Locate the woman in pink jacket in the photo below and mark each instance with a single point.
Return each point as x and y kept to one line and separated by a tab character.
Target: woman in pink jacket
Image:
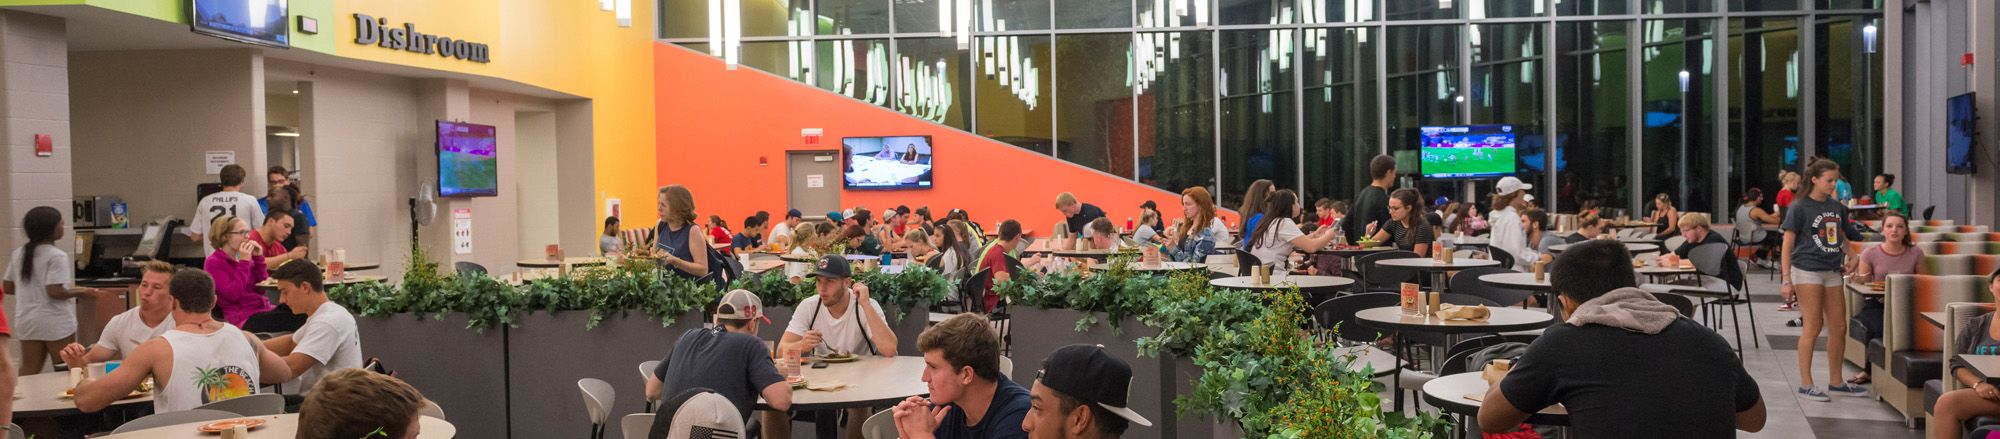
237	266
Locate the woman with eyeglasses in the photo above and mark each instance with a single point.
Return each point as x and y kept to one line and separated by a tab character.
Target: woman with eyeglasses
1407	227
237	266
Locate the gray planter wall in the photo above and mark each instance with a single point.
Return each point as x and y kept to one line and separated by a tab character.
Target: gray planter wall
1039	332
548	353
464	371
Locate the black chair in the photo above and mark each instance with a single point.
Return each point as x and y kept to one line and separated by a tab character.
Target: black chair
1457	359
1338	313
1928	211
467	268
1467	282
1505	259
1679	302
1385	278
1244	261
972	292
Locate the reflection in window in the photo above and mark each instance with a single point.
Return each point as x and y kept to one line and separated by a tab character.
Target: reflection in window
930	80
1423	10
1763	101
1679	139
1676	6
1096	126
1006	15
1099	14
1507	90
1591	7
1593	144
1012	89
1763	5
858	16
922	15
1478	9
1259	138
1341	113
1176	138
1423	88
854	68
1850	97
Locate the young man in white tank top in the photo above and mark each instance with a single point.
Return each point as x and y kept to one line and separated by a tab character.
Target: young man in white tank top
199	361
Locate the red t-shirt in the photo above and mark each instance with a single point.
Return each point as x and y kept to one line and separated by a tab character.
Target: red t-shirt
1326	221
271	248
994	261
721	239
1784	198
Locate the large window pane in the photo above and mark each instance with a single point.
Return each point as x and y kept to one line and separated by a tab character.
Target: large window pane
1849	91
1100	14
855	68
1176	139
1341	113
1096	102
930	80
1259	131
1423	88
1850	4
1593	144
770	56
853	16
1257	11
1421	10
1763	101
922	15
1763	5
1507	90
1008	15
1676	6
1478	9
1014	101
1592	7
1678	157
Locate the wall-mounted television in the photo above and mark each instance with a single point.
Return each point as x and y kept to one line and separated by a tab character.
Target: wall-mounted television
266	22
1961	134
468	160
901	162
1466	151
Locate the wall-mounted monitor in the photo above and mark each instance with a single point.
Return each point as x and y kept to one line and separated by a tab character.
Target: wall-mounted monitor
1961	134
1466	151
265	22
902	162
468	160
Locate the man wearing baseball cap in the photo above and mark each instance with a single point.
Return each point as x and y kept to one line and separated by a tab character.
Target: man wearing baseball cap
840	319
728	358
1081	392
1510	196
781	234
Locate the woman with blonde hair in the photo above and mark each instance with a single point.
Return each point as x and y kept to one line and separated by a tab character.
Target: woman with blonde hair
237	266
679	243
1665	216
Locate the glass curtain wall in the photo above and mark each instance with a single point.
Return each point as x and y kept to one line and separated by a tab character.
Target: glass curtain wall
1618	105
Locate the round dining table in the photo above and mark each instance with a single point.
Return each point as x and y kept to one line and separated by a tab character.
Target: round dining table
574	261
41	395
1503	319
1439	269
1154	267
872	381
275	426
1463	393
1304	283
269	285
1518	281
1632	247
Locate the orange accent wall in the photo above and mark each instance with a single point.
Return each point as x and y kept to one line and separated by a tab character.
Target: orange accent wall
715	123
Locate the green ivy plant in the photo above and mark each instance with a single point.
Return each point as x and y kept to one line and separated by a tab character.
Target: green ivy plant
775	289
1117	293
915	286
1187	312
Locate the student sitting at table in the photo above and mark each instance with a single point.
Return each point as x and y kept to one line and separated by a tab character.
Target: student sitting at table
1624	362
840	319
781	233
1146	234
727	358
237	266
810	244
751	237
1186	240
1075	213
1588	226
1664	216
955	259
1278	235
277	225
993	259
182	361
860	242
1978	397
1897	254
1101	236
129	329
1081	391
1535	224
609	244
719	236
1407	228
970	397
356	403
327	342
1697	231
918	246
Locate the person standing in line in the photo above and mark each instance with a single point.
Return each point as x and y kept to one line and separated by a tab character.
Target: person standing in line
231	201
43	279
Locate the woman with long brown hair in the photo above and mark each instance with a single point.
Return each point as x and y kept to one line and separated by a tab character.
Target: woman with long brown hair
1815	253
1195	235
1252	210
1407	228
681	246
1279	235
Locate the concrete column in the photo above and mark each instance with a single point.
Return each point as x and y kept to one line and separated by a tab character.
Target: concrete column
34	66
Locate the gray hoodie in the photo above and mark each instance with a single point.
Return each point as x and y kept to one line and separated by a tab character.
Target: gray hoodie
1631	309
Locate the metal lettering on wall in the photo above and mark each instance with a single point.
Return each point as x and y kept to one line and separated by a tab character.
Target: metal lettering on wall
376	31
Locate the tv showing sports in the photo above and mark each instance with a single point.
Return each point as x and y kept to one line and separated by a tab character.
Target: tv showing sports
1961	134
887	162
265	22
1469	151
468	160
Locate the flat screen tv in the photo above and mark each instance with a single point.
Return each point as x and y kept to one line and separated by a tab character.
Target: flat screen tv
1961	134
468	162
1466	151
265	22
902	162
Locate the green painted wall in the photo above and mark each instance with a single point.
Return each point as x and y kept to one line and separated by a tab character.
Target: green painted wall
176	11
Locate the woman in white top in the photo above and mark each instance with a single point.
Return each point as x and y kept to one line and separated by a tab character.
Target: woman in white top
44	279
806	238
1278	234
1505	221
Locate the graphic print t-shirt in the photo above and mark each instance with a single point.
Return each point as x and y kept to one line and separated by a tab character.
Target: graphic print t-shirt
1820	245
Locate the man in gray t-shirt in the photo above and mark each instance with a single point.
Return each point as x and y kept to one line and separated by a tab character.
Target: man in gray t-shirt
728	359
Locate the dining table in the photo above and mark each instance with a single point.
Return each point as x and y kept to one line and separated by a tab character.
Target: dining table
869	381
275	426
1461	394
44	395
573	261
1440	270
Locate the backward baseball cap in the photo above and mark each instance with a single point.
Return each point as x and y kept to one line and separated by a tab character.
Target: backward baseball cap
741	304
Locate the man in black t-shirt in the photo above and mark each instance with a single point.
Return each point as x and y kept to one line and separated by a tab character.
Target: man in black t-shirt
962	368
1624	364
1077	214
1371	206
728	359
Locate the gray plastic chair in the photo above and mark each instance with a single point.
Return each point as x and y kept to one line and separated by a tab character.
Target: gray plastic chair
15	432
1007	367
1382	277
171	419
636	425
1467	282
882	425
432	409
467	268
263	404
598	397
646	369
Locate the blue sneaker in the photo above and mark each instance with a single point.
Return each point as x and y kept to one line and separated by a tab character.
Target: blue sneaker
1813	394
1848	390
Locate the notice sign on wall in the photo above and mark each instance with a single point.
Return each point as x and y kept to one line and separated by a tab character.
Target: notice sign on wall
216	160
816	180
461	231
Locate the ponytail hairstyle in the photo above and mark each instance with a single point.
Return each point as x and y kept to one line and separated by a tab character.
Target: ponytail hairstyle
1280	206
1753	195
1814	170
1416	218
42	224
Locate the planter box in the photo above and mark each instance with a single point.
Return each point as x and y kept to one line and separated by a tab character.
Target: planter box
781	316
1039	332
549	352
913	323
463	370
1179	373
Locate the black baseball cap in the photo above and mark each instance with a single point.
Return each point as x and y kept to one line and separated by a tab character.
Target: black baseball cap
1088	373
834	266
1149	205
794	213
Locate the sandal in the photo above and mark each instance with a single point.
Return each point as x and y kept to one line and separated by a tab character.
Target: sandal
1859	379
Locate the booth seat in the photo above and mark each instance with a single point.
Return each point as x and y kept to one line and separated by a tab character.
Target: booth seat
1970	237
1981	265
1914	349
1960	247
1961	314
1950	229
